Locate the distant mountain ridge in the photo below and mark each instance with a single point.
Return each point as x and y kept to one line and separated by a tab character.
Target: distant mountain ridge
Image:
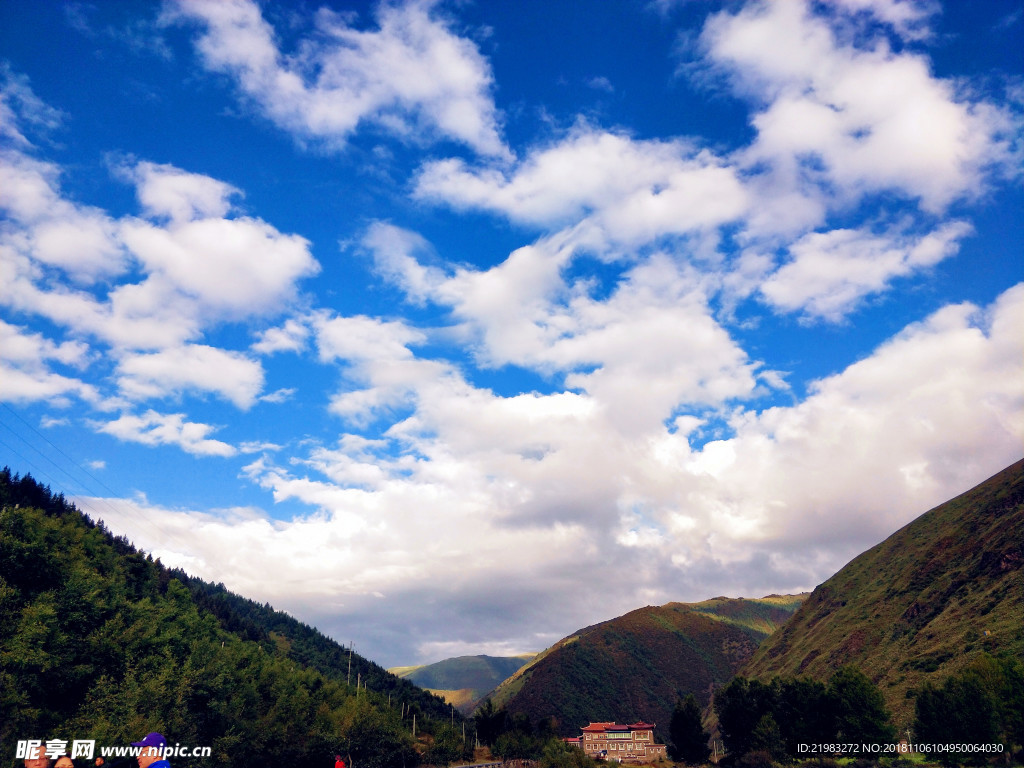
636	666
919	605
463	680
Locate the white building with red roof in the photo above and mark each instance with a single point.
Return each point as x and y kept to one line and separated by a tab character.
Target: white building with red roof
622	743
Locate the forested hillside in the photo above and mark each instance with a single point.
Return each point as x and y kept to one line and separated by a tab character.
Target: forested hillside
98	641
306	645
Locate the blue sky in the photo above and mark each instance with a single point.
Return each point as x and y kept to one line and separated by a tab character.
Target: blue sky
453	327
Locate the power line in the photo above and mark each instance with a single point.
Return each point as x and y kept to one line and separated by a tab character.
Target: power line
88	497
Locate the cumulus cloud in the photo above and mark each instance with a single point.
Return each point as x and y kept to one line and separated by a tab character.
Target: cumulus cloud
853	119
634	191
650	346
166	191
25	374
198	268
191	368
152	428
533	491
925	416
50	230
291	337
412	75
831	271
231	268
378	362
398	256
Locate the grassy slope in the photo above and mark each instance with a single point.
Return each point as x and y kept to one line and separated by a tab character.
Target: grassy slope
919	605
638	665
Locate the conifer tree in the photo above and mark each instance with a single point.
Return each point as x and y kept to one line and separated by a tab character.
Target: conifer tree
689	739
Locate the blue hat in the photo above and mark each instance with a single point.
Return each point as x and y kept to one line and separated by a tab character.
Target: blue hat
153	739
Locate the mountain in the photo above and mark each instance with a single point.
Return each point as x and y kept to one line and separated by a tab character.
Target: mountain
920	605
99	641
464	680
637	666
306	645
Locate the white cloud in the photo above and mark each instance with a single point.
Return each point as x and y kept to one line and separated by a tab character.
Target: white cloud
79	240
364	338
20	109
412	76
377	356
398	256
928	414
909	18
279	395
867	118
191	368
291	337
25	375
152	428
533	491
634	191
831	271
232	269
197	268
166	191
649	347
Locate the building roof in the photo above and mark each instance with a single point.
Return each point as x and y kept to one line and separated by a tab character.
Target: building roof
602	727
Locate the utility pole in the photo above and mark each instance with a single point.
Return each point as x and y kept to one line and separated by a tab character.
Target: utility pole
414	726
348	680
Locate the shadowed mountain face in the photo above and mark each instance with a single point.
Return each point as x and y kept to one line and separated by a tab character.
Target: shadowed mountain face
463	680
635	667
920	605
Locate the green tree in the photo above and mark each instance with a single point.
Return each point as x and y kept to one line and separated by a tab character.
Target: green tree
446	747
375	740
687	734
859	709
740	705
984	704
767	737
804	713
490	722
